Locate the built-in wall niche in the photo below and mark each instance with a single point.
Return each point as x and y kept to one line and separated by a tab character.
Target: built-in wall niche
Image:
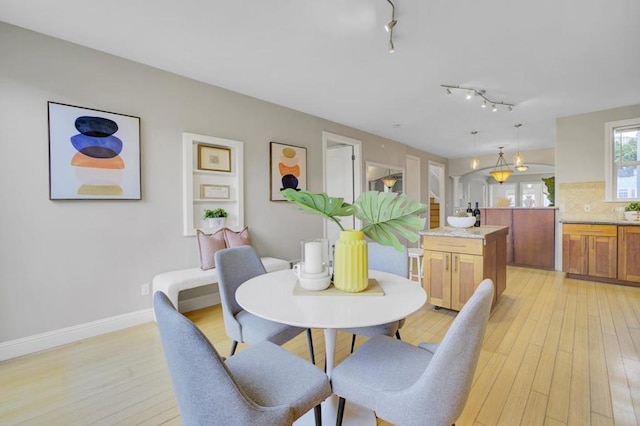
377	172
212	179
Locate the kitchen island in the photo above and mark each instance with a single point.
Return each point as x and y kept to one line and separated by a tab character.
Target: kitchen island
456	260
531	239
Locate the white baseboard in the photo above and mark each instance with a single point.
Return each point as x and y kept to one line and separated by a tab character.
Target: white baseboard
51	339
198	302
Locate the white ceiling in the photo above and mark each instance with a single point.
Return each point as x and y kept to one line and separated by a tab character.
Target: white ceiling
329	58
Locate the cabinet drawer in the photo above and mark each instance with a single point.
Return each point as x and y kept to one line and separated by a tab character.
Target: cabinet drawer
454	245
596	230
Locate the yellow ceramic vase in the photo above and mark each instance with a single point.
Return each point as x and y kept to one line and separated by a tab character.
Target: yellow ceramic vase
351	266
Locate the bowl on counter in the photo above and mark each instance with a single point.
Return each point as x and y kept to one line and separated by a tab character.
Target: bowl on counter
461	222
632	216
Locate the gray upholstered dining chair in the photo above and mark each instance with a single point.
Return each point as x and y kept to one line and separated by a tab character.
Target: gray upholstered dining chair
425	385
385	259
263	384
234	266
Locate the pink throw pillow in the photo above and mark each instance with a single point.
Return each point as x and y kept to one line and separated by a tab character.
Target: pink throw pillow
235	239
208	245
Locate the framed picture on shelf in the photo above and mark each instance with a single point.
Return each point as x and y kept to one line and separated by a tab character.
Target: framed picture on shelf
93	154
214	158
215	192
288	169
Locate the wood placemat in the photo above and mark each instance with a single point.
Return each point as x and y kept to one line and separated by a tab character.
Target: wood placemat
373	289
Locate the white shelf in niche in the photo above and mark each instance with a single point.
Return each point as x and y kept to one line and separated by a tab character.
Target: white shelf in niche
193	205
201	200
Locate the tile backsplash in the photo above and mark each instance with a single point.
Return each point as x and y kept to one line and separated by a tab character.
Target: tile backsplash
574	199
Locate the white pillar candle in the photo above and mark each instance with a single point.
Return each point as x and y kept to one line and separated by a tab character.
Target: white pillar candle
313	257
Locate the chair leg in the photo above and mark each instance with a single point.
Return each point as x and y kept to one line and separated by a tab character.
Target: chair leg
317	412
353	342
234	345
310	342
398	335
340	412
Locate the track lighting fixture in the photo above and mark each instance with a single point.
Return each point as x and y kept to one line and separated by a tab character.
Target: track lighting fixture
389	26
471	92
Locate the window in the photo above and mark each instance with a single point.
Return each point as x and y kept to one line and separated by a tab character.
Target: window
622	158
502	195
523	194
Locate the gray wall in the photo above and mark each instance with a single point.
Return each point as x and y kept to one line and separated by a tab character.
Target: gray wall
64	263
580	145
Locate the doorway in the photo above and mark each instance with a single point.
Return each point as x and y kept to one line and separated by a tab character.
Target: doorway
342	177
436	194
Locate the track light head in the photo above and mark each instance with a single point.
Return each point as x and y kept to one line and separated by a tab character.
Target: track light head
494	108
484	104
469	94
448	91
390	25
392	48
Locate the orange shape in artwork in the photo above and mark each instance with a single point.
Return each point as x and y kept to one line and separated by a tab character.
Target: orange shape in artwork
284	170
81	160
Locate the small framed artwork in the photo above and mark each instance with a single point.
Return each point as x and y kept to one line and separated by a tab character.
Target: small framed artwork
288	169
93	154
214	158
215	192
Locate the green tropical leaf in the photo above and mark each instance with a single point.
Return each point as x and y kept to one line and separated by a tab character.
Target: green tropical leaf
390	214
329	207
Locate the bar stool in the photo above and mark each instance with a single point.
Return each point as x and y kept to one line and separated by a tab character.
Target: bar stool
416	255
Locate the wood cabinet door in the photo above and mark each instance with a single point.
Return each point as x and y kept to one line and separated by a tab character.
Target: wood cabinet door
437	277
574	254
629	253
466	274
603	256
501	217
534	237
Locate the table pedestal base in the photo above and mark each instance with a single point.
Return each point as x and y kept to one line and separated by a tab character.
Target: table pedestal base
354	415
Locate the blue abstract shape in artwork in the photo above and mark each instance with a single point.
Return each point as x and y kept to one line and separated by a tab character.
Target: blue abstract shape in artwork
90	146
289	181
96	126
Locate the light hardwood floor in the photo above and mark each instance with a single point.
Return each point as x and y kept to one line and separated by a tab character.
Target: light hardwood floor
557	351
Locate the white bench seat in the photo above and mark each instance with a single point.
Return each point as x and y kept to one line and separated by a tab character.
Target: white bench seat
172	283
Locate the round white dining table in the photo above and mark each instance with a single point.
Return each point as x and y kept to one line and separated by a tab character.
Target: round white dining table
271	296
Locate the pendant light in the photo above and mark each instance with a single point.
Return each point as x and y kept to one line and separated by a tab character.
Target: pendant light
518	159
502	171
475	163
389	180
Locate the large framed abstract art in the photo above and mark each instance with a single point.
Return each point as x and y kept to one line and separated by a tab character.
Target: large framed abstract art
288	169
93	154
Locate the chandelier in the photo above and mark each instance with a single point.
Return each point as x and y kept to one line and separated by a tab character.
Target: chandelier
389	180
501	171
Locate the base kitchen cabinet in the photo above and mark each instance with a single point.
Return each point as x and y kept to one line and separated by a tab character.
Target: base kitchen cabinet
456	260
590	250
629	253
